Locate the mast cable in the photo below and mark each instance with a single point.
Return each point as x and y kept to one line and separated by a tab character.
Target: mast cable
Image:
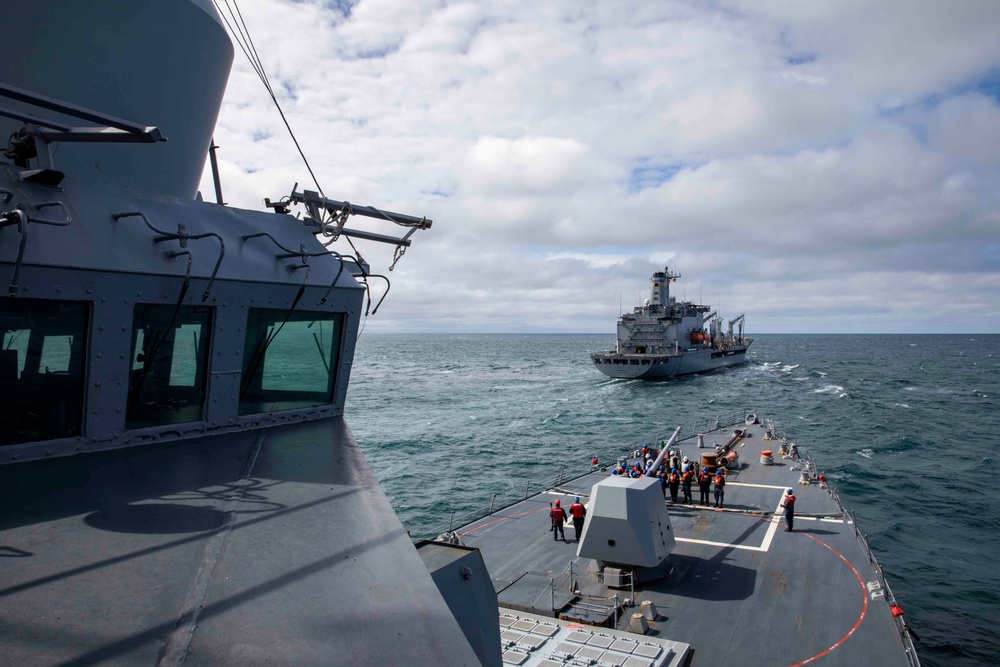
241	33
242	36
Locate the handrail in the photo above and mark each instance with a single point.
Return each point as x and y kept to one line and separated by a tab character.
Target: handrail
901	628
570	472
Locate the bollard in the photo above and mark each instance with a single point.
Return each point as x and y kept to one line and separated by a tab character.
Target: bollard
638	624
648	610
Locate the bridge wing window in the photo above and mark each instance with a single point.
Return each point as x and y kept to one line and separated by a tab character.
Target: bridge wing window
169	365
290	360
42	360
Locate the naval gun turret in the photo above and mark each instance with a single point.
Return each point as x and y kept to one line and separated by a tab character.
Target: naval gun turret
628	530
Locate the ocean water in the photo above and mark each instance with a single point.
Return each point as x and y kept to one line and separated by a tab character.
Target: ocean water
907	427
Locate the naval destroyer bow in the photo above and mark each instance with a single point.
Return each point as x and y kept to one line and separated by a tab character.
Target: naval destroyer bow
664	337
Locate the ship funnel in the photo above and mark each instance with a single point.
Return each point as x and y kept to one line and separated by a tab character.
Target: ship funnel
659	289
162	63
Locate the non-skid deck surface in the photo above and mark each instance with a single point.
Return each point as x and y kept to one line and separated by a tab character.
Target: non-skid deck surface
743	591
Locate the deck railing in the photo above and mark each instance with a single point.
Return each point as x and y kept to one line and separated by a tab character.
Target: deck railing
606	456
611	456
897	621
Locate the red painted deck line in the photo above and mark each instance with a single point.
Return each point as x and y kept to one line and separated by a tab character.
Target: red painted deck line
864	609
502	518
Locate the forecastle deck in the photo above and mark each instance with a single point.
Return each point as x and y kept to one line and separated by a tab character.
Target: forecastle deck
742	591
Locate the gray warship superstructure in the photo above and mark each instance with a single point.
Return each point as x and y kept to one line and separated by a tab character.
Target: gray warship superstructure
178	482
664	338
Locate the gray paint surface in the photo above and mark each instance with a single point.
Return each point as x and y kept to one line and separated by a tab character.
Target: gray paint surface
742	591
274	547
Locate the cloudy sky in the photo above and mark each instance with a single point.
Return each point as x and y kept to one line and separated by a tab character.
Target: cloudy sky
822	167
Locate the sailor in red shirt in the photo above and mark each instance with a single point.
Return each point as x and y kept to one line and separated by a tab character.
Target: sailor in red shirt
578	512
558	516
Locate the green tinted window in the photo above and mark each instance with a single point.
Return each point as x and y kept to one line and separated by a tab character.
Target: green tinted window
42	361
169	365
290	360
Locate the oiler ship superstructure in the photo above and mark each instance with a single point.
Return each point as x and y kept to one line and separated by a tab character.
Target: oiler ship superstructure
664	337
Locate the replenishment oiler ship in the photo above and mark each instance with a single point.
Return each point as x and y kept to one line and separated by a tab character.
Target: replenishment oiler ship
664	338
179	484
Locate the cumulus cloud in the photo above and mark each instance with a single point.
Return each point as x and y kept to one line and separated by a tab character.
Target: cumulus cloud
822	167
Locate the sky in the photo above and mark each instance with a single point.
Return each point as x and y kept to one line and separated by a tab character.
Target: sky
820	167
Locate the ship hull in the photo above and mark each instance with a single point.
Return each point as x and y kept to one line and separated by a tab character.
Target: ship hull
661	367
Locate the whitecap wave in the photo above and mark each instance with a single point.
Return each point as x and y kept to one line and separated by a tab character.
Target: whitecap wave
866	452
831	389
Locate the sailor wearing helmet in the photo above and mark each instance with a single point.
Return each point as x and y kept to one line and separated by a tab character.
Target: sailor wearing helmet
789	504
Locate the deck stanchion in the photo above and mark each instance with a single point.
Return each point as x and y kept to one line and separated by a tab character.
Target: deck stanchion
492	500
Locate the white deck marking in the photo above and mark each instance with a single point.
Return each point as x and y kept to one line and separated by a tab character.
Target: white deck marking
816	518
772	528
757	486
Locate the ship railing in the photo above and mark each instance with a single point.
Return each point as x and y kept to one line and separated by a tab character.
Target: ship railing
882	584
601	606
607	458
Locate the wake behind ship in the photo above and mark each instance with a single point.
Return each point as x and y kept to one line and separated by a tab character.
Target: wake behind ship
664	338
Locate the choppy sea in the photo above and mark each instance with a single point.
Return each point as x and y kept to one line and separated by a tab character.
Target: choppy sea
907	427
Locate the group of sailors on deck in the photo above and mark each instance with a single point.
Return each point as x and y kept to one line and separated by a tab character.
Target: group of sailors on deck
680	477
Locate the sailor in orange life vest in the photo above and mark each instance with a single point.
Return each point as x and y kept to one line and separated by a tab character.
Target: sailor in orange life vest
577	511
720	488
558	516
704	484
789	504
686	478
673	482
